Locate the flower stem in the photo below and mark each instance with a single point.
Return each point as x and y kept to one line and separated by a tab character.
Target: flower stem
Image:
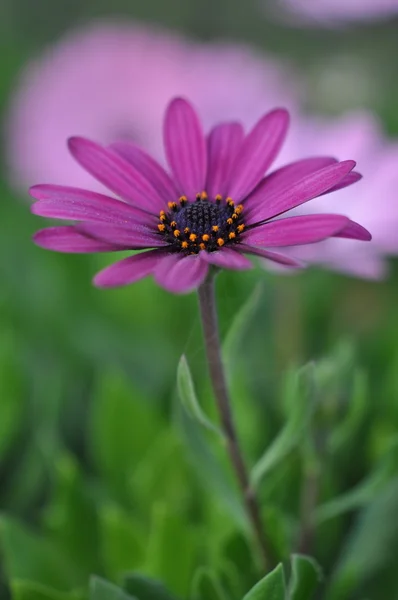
209	318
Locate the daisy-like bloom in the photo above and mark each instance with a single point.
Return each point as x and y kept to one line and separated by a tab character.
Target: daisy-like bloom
111	80
358	134
216	207
336	12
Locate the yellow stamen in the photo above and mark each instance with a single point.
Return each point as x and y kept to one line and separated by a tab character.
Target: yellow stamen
177	233
202	246
172	205
193	237
220	242
229	221
234	216
184	245
240	228
173	224
232	235
163	217
239	209
187	230
183	200
218	198
230	202
205	237
161	227
215	228
203	195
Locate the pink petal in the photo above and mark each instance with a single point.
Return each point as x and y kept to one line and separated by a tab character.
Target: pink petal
281	259
348	180
227	258
185	147
258	151
181	274
149	168
67	239
61	202
286	176
223	144
129	270
115	173
297	193
355	231
131	237
292	231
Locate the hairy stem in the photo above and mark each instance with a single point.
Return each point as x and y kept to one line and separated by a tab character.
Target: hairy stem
213	350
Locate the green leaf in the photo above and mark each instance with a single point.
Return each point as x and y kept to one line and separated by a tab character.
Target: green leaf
306	574
188	397
164	473
233	342
34	558
366	491
30	590
371	548
210	469
300	397
145	588
171	549
206	586
122	541
72	518
344	431
11	391
271	587
104	590
123	427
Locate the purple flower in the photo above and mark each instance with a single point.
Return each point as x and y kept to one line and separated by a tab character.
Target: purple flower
336	12
216	207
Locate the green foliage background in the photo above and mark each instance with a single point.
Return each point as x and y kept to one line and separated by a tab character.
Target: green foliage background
102	472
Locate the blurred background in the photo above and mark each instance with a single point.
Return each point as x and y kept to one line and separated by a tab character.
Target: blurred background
100	472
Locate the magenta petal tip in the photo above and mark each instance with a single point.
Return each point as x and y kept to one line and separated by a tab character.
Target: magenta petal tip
354	231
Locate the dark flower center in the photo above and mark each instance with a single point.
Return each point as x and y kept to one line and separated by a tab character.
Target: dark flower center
201	225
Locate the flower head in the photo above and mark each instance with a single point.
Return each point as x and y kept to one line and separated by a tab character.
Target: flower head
216	207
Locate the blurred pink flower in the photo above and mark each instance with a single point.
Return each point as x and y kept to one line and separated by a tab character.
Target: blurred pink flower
373	201
113	81
337	12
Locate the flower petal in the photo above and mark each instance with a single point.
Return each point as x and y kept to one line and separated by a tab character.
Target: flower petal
115	173
281	259
258	151
304	189
355	231
131	237
227	258
292	231
348	180
286	176
181	274
223	144
129	270
185	147
67	239
61	202
150	169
